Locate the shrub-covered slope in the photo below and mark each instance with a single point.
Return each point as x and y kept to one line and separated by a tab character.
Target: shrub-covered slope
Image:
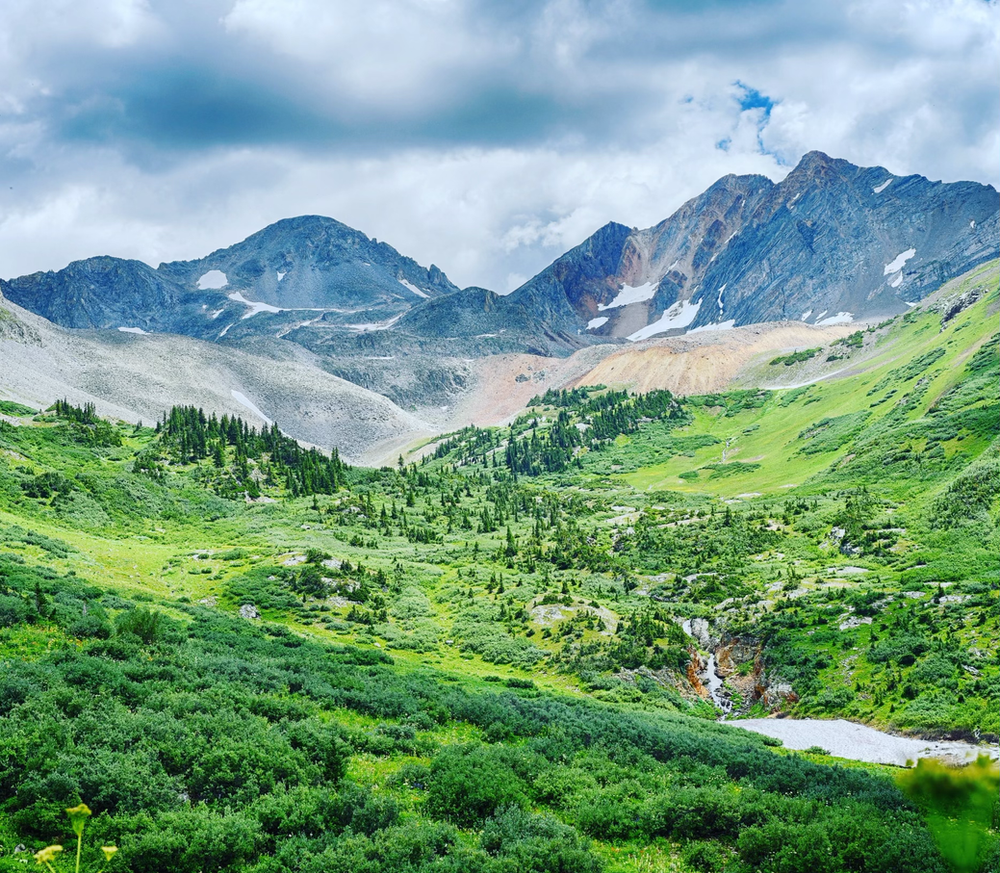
246	656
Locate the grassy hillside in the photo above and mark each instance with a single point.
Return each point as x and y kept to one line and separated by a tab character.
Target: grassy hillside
246	657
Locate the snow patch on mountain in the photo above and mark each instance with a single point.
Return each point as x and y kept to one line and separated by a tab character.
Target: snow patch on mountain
681	314
880	188
132	330
595	323
281	275
896	264
255	307
839	318
414	289
895	283
375	325
213	280
629	294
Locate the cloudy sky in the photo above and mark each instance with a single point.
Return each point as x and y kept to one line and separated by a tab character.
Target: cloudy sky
486	136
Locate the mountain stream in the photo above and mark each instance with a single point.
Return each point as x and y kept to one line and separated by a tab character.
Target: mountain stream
838	737
711	679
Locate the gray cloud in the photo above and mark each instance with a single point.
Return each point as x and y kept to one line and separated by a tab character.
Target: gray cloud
486	137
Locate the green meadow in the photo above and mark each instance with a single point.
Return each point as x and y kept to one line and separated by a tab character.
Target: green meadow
244	656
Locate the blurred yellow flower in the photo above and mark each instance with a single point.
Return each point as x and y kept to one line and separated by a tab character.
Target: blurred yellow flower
78	816
48	854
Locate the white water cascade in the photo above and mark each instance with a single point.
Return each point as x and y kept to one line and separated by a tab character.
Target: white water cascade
711	679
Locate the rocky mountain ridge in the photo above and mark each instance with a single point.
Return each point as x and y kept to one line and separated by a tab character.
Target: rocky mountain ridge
832	243
298	270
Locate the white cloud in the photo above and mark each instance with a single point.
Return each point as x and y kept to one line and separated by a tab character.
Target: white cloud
33	25
406	54
495	136
897	90
514	281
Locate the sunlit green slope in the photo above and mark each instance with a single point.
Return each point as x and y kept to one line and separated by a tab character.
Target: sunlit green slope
905	386
246	657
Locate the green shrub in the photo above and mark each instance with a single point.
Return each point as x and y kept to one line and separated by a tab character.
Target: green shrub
795	357
535	843
903	648
148	625
468	784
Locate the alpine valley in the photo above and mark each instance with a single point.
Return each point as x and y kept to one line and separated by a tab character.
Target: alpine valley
672	559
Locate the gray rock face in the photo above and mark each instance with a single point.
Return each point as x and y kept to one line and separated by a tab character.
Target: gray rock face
311	262
831	240
477	321
667	260
576	283
102	292
300	269
834	238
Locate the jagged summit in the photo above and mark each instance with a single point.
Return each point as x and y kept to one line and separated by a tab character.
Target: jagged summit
303	268
832	242
816	161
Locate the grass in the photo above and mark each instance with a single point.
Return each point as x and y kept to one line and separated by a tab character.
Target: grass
801	523
768	435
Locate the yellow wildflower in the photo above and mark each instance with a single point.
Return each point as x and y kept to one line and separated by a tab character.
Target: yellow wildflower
48	854
78	816
109	852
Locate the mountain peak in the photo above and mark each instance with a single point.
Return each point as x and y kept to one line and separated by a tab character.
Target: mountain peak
739	181
612	229
816	158
816	163
302	230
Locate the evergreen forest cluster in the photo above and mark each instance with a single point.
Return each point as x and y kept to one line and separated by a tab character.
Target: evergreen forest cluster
244	655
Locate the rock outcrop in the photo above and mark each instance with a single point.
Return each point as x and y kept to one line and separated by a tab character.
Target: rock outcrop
831	242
